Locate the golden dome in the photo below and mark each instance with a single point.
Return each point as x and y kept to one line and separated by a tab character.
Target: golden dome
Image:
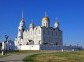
45	19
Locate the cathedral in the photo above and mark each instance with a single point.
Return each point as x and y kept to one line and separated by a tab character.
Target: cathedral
37	36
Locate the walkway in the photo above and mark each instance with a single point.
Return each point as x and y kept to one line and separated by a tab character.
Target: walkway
15	58
19	57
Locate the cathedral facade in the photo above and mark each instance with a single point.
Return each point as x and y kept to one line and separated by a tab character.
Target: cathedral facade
39	35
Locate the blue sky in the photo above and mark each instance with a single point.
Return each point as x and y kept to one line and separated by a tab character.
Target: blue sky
70	14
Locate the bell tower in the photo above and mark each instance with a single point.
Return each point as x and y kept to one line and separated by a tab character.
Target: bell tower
21	28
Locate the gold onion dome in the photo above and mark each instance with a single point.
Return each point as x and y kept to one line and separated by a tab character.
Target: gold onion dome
45	18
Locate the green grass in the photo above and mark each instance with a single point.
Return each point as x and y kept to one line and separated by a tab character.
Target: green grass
3	55
23	52
56	57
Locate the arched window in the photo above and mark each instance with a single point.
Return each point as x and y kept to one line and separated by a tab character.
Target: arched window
52	33
46	24
27	43
48	32
56	43
44	31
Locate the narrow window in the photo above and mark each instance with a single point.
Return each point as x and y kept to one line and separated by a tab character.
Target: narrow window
52	33
44	31
39	31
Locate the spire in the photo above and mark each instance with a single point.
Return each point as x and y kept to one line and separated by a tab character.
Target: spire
45	14
22	13
56	19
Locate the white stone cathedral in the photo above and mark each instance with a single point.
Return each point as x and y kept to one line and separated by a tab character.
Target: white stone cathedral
36	36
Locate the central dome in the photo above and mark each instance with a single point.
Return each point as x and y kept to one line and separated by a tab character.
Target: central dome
45	18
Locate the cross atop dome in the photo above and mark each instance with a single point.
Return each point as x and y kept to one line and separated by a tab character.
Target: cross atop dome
22	13
56	18
56	25
46	14
22	17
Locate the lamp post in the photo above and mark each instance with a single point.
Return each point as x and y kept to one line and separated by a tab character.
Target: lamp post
39	46
10	46
6	38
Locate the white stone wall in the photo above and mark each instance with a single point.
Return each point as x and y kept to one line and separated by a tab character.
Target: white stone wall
30	47
32	34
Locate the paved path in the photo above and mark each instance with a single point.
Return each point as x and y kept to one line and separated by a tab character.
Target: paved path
19	57
15	58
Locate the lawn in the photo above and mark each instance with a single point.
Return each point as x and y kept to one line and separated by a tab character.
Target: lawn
56	57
